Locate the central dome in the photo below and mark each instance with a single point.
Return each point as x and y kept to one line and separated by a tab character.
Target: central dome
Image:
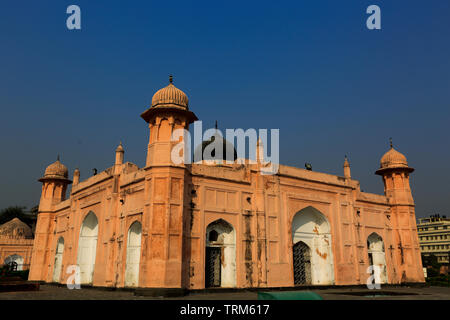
226	146
170	96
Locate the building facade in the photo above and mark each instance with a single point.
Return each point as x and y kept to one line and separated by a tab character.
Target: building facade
434	237
222	225
16	244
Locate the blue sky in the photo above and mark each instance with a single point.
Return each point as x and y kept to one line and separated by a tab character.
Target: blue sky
310	68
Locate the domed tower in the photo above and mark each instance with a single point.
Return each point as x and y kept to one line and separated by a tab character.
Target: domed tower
169	111
395	172
167	206
54	185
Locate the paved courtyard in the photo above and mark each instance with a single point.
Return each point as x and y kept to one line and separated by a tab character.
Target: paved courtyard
388	293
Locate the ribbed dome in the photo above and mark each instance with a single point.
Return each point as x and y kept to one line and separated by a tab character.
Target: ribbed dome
393	159
16	229
170	96
56	171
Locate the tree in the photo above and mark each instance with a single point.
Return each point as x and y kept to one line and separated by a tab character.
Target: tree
431	263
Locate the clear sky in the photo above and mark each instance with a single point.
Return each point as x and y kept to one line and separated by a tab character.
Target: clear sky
310	68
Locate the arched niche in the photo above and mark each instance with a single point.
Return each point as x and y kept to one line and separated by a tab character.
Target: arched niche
165	130
220	255
58	260
87	248
312	228
133	255
377	257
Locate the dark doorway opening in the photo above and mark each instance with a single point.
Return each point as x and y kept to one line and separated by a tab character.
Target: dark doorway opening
213	267
302	263
370	259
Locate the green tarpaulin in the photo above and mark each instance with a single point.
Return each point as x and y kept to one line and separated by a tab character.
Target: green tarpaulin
289	295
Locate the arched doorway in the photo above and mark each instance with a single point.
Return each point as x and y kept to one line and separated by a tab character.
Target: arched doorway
220	259
58	260
312	255
15	262
377	258
302	263
133	255
87	247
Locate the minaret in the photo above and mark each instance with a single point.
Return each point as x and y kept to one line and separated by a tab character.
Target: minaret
166	211
54	186
395	172
119	154
347	173
169	111
119	159
259	151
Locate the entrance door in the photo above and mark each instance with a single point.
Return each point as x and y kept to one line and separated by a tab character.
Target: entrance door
370	259
133	255
58	260
377	259
213	267
87	258
87	248
302	263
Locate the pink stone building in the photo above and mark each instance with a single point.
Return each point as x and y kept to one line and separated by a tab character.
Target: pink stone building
204	225
16	243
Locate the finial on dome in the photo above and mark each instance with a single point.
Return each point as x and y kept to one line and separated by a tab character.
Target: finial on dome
119	147
170	79
346	163
390	141
76	176
216	124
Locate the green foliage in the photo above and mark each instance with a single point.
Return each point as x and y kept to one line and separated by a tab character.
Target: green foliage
432	272
22	274
430	261
11	213
439	280
4	272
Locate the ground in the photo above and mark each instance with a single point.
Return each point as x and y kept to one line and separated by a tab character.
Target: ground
390	293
